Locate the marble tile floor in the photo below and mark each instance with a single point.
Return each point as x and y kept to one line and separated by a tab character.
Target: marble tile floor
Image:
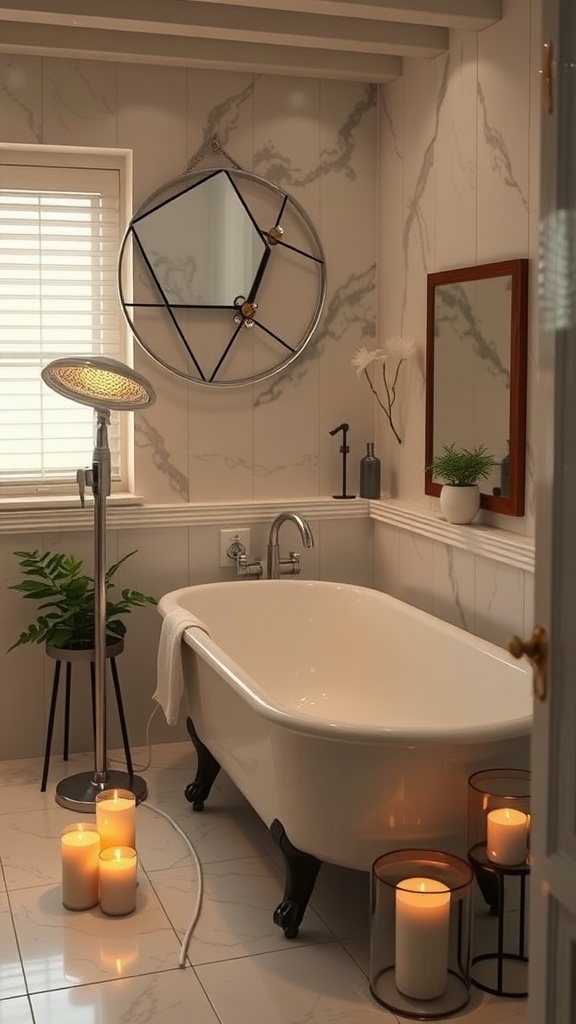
85	968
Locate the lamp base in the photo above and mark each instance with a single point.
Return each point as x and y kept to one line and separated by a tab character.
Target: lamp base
79	792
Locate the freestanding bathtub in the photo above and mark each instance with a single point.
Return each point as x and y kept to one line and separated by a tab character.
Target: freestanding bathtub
349	720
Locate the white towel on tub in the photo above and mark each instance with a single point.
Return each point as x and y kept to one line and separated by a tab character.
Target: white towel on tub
169	673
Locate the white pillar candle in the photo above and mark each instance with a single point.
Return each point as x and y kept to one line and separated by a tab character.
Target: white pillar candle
116	818
422	932
79	848
506	836
118	869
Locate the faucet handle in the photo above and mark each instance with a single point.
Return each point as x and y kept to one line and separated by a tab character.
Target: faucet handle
290	566
244	568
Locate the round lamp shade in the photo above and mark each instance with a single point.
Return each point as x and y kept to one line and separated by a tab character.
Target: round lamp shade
99	382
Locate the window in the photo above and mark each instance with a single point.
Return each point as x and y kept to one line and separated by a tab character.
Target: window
62	214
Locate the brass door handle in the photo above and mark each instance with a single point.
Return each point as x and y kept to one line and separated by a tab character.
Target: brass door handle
536	650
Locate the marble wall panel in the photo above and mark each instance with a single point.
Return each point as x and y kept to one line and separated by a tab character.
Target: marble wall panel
222	103
346	551
500	597
417	571
160	564
221	444
504	53
454	583
386	573
152	108
455	155
348	160
79	103
21	98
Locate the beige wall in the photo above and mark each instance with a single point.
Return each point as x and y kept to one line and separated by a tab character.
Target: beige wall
438	169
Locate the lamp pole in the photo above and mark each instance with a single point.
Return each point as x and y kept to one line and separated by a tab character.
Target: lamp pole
103	384
101	486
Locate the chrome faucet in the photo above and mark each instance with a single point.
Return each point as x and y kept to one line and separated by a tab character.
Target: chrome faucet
276	566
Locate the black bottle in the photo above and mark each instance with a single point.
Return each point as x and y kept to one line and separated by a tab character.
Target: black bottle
370	474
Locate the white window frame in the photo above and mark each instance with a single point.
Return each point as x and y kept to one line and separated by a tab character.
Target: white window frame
46	494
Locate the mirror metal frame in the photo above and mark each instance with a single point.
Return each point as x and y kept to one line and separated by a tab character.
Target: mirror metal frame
517	270
182	183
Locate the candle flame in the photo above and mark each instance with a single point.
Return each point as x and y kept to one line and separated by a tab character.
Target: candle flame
115	795
117	854
507	814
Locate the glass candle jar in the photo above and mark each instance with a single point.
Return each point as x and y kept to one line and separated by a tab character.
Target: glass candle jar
420	933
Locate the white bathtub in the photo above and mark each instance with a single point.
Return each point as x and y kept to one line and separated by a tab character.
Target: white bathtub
350	717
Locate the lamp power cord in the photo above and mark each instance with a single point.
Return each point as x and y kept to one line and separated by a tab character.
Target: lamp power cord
176	827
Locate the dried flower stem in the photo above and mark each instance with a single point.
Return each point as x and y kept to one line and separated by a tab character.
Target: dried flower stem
390	396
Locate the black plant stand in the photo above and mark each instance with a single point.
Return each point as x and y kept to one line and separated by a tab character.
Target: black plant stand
492	878
70	658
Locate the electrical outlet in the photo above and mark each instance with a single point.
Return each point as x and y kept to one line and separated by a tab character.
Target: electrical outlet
229	537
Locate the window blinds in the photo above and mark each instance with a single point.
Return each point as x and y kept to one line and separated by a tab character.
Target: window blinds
59	241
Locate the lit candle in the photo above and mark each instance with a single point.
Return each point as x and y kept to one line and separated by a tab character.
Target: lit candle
506	836
79	847
422	931
116	818
118	868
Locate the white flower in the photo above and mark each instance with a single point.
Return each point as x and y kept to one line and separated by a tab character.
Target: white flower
399	347
364	358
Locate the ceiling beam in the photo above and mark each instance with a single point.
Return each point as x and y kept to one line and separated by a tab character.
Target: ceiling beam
362	40
239	24
99	44
463	14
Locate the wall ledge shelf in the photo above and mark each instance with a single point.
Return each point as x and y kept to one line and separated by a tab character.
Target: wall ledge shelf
486	541
126	517
491	542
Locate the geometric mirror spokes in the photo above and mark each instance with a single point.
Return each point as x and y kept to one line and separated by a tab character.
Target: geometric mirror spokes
227	277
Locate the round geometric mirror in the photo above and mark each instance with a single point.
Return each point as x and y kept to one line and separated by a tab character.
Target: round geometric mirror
222	277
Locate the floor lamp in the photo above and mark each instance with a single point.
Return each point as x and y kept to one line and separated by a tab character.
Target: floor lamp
106	385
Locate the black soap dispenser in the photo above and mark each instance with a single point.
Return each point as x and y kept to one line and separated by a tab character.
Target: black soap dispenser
370	473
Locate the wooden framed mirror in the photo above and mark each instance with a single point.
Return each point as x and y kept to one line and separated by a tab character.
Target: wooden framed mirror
476	358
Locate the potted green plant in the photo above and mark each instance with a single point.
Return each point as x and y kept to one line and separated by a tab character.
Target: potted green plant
460	470
66	593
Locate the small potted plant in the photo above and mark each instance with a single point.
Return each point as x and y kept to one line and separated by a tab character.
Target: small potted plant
460	470
66	593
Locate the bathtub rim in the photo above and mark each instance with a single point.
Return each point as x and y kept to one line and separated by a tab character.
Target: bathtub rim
203	645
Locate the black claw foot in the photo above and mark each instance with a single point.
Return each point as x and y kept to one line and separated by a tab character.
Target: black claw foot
198	791
288	916
301	873
195	796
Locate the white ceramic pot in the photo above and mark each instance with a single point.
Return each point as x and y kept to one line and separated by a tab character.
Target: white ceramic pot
460	504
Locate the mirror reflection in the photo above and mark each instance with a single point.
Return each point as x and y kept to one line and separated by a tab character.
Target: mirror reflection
202	246
476	373
472	367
